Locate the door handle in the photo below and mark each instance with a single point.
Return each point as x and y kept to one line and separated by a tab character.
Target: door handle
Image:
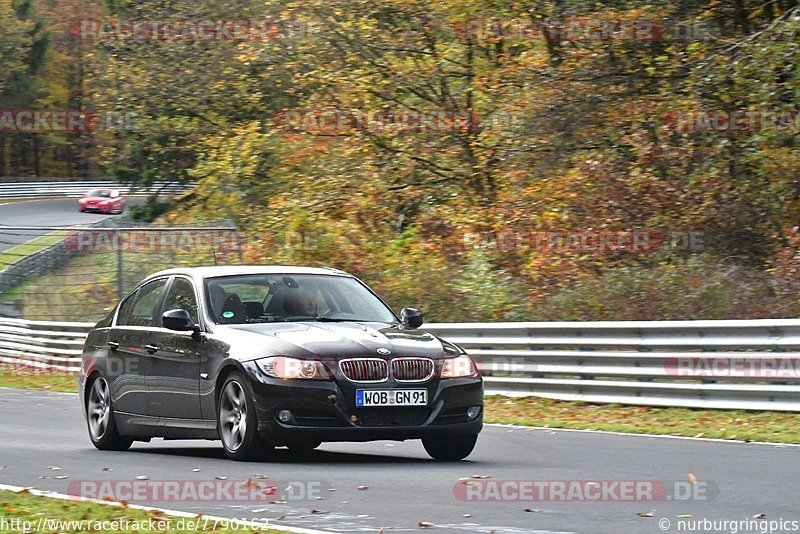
151	349
113	345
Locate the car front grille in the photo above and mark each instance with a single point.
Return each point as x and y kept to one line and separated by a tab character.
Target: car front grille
412	369
365	369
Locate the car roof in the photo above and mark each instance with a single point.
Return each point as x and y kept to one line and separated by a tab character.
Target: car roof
233	270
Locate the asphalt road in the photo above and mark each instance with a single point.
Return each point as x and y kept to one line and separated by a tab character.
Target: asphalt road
50	212
401	486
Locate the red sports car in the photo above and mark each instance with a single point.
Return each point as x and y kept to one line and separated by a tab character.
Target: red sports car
102	201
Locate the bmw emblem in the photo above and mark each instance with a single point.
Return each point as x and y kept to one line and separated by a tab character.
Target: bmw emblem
384	352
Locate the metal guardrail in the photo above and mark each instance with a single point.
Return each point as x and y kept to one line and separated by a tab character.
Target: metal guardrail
48	258
41	346
10	190
743	364
749	364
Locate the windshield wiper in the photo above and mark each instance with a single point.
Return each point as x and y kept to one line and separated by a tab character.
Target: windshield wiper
323	319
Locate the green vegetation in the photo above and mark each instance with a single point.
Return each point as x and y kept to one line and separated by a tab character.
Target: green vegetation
481	160
29	512
780	427
31	379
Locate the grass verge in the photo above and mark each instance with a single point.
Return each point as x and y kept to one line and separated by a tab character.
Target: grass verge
13	255
24	512
780	427
25	378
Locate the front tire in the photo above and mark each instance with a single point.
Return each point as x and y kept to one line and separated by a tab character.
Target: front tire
100	418
237	423
450	449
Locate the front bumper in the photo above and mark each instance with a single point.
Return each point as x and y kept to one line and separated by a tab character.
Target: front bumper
98	209
325	410
82	391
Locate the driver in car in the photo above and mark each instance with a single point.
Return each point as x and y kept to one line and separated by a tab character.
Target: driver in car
299	302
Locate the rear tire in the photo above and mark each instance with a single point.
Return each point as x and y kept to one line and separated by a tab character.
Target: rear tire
237	423
450	449
100	418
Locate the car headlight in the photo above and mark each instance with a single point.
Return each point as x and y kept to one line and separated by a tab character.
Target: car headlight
292	368
459	367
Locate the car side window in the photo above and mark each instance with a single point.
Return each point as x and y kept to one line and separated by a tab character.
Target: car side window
181	296
145	306
124	314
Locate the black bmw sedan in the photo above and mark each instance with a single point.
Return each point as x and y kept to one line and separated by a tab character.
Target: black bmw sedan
262	357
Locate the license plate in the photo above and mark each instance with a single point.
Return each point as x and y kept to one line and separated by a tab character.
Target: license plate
391	397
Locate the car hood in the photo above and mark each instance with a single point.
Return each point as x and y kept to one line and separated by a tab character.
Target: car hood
331	340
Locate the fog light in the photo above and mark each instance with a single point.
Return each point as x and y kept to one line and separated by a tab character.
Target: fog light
473	412
284	416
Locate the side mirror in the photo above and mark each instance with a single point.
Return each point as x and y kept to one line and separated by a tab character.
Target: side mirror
411	317
179	320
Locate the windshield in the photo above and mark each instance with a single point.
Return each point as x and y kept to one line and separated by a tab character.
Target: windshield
105	193
297	297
